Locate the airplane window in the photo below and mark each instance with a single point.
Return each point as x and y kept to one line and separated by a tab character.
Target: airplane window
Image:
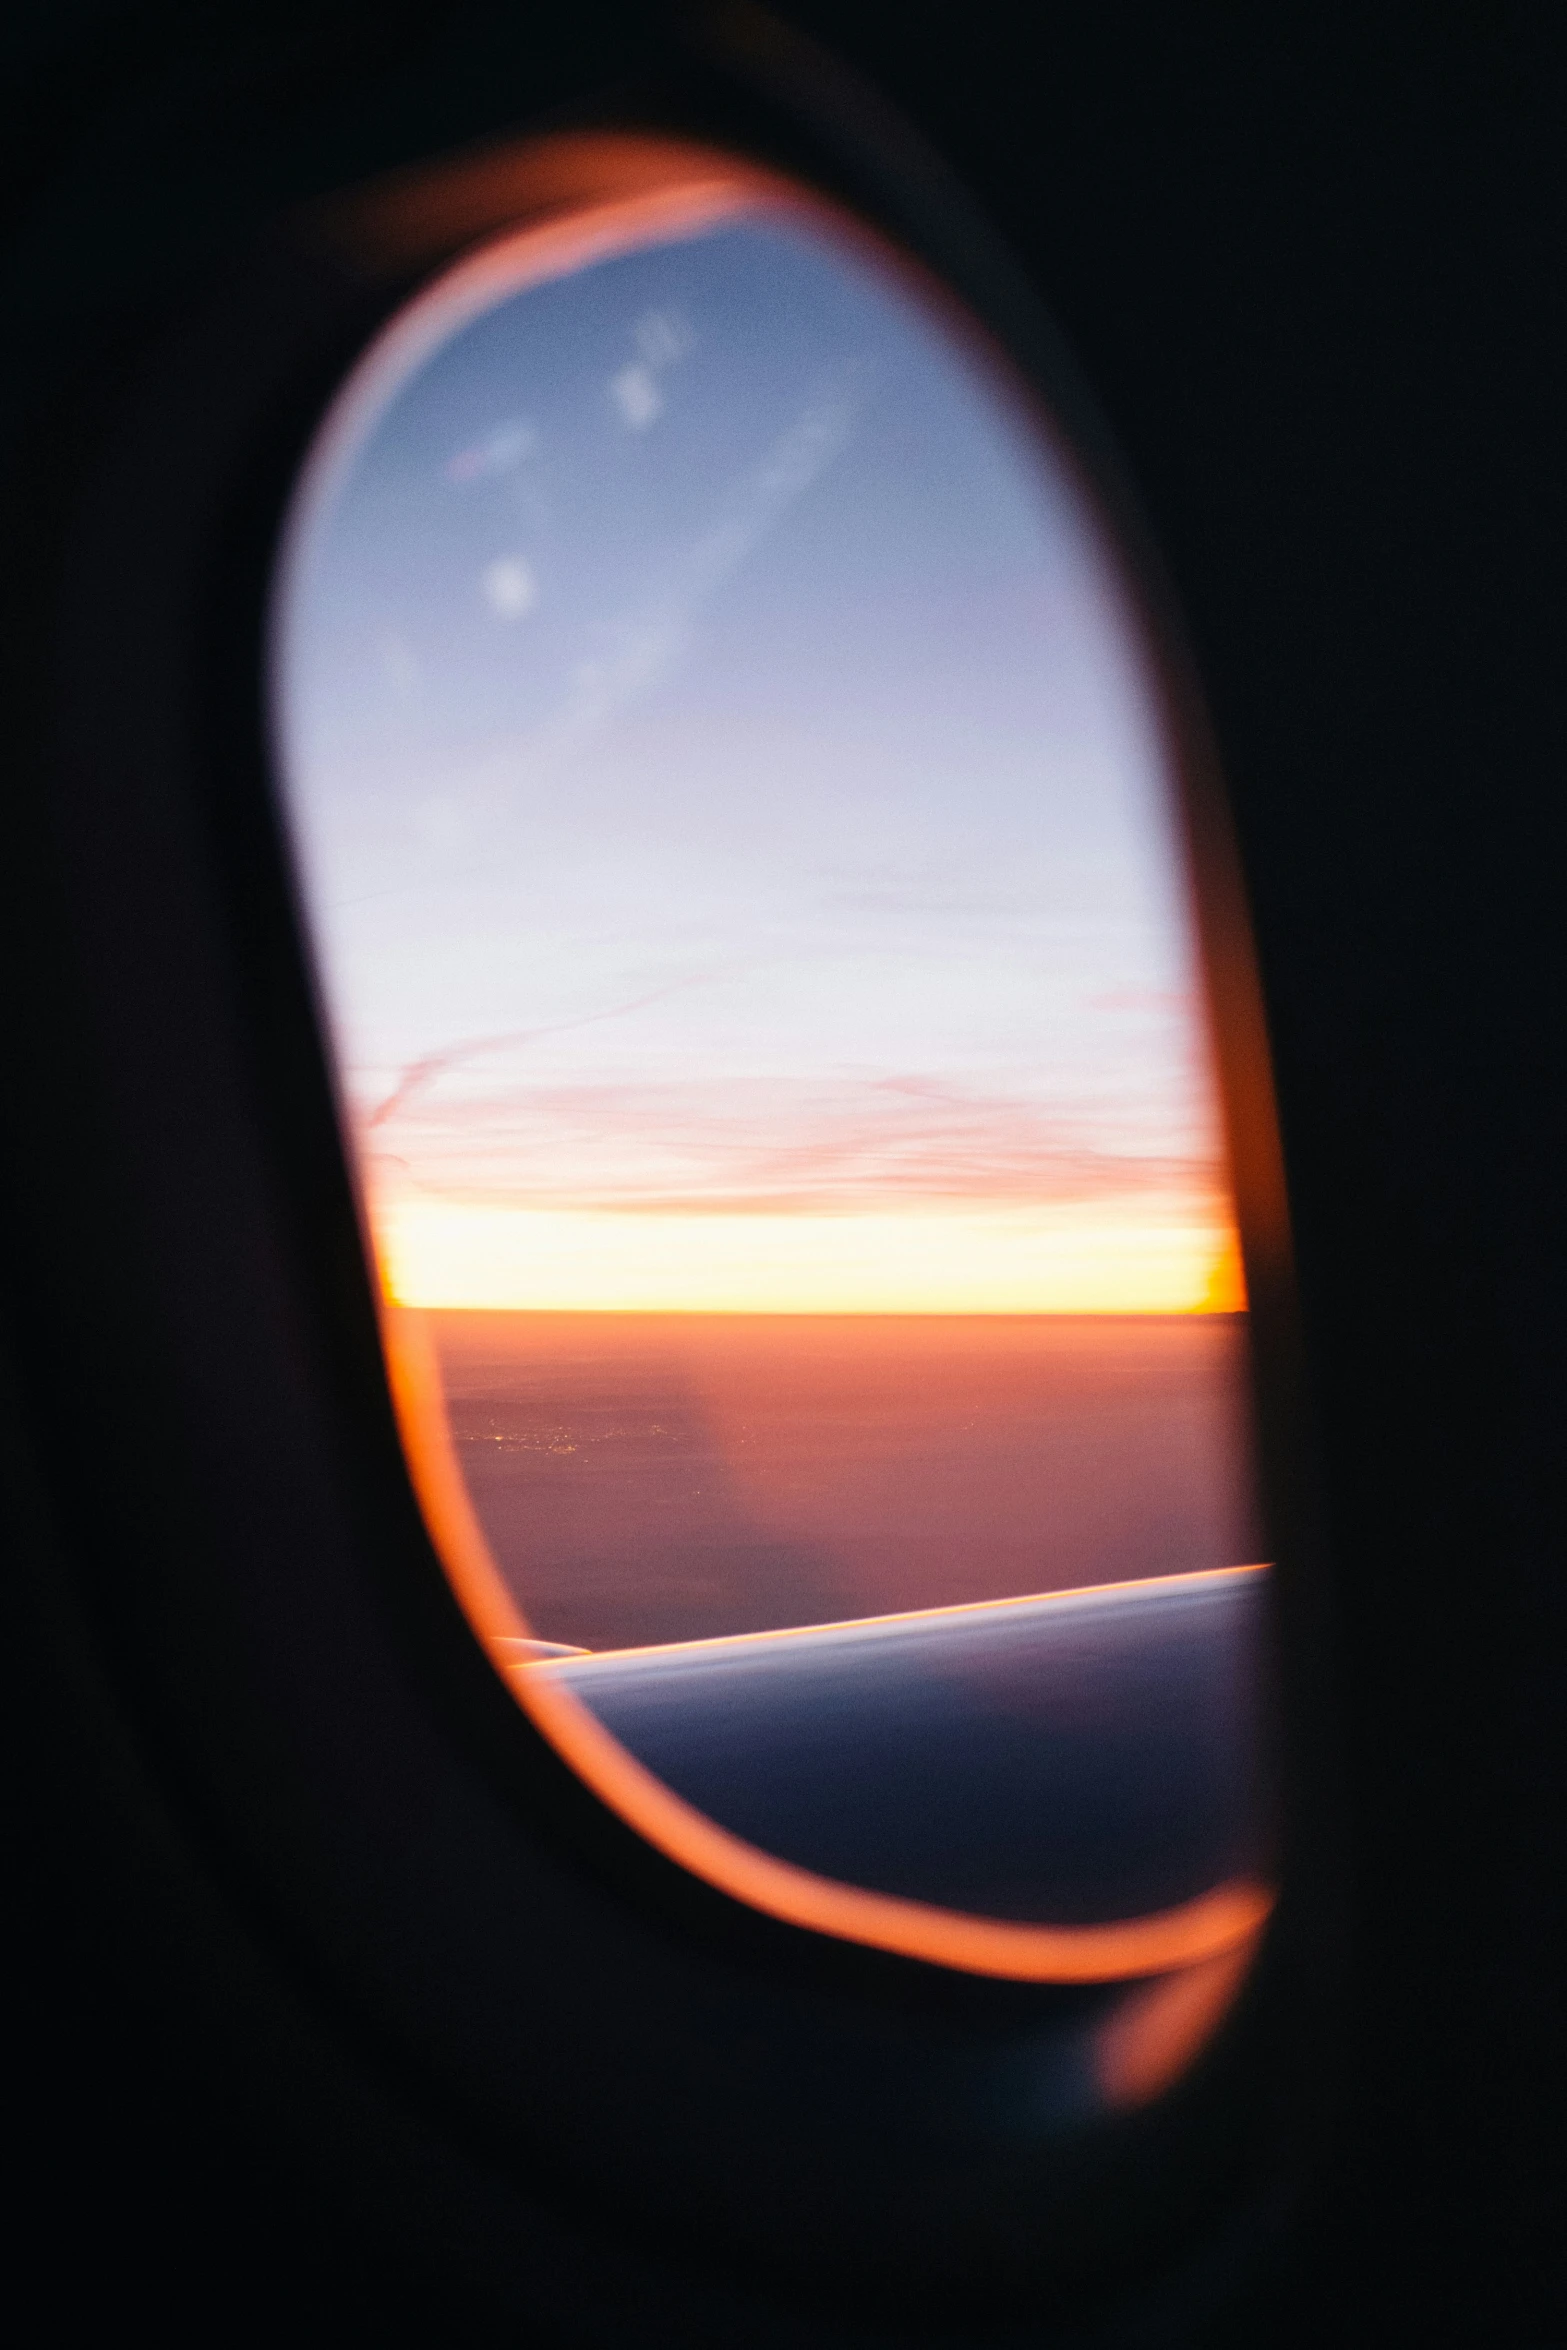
740	837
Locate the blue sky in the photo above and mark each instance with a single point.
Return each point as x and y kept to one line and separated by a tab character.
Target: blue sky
731	803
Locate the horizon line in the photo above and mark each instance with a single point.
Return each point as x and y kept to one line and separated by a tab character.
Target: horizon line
1196	1313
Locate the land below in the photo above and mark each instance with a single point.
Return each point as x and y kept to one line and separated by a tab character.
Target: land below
656	1477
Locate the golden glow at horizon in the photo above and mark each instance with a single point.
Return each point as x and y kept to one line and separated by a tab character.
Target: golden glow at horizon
1078	1258
678	848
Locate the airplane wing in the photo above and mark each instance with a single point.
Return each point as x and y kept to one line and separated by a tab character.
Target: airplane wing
1071	1758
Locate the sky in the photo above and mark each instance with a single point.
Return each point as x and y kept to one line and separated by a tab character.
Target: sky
731	809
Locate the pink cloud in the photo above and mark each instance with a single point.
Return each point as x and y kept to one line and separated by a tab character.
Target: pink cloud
785	1147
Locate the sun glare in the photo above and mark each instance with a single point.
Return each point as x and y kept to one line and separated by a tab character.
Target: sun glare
1080	1259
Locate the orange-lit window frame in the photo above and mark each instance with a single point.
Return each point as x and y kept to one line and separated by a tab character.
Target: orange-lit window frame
570	200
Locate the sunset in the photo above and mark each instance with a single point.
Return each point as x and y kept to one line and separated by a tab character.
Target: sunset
731	787
781	1363
1077	1260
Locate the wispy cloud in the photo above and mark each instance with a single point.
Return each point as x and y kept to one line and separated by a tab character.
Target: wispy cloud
779	1147
419	1075
643	644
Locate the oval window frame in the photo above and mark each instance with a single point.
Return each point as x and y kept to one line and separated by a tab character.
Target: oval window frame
525	216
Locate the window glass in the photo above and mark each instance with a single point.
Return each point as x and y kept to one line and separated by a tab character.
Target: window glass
740	841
